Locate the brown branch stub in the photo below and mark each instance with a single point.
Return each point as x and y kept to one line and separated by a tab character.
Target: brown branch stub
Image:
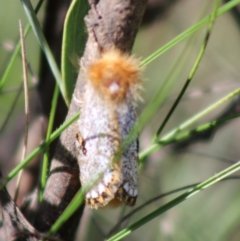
115	23
14	225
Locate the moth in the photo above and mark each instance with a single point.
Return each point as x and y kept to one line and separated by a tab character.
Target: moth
108	172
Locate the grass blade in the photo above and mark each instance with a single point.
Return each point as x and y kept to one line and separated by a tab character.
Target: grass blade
74	39
43	43
209	182
226	7
35	152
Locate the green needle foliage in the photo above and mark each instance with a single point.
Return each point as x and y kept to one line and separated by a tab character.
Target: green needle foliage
74	39
45	163
43	43
35	152
191	192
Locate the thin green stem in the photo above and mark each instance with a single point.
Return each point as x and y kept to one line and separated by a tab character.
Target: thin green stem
11	109
43	43
191	192
45	163
146	204
35	152
68	212
192	72
200	115
202	128
164	88
226	7
26	98
169	137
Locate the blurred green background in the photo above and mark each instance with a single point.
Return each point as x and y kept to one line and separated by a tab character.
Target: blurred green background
12	127
213	214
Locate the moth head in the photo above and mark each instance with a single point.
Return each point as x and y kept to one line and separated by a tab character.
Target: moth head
114	75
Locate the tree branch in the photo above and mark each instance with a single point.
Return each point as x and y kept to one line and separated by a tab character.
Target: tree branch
109	23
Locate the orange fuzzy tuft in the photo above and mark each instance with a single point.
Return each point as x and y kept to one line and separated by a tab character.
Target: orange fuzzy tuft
114	74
